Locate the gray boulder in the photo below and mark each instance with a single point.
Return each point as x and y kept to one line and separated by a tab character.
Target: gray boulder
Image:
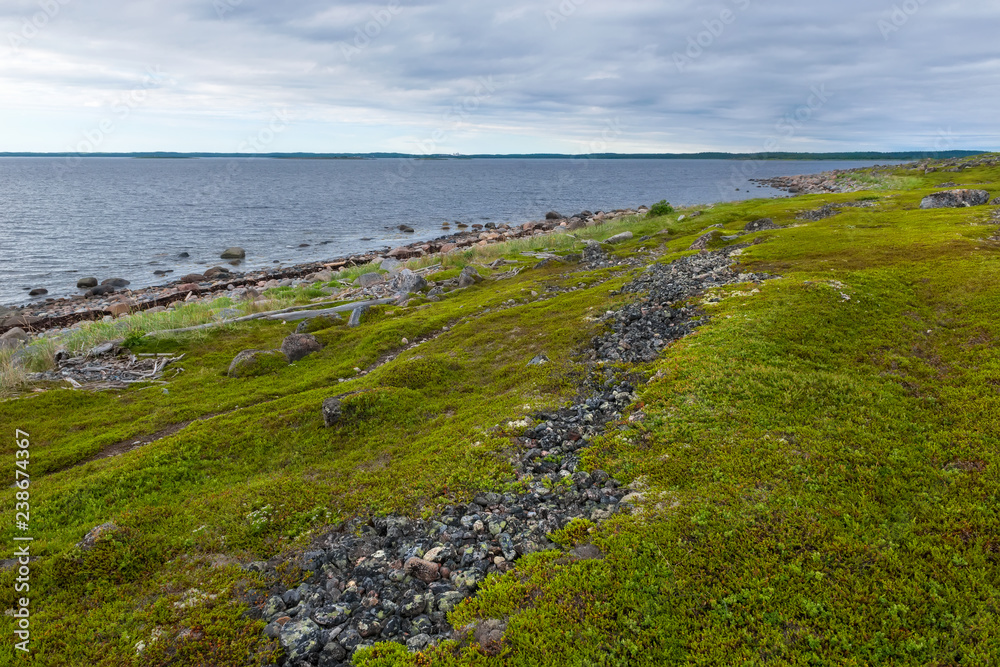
409	282
95	536
469	277
115	282
367	280
253	363
356	316
86	283
233	253
100	290
620	238
299	346
956	199
16	334
332	411
760	225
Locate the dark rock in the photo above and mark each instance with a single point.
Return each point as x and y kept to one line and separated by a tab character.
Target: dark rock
334	653
115	282
253	363
955	199
594	254
299	346
469	277
405	229
332	411
193	278
38	291
217	272
184	255
575	224
86	283
100	290
760	225
231	253
301	638
552	215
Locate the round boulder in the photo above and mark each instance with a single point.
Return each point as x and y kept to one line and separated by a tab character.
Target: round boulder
956	199
193	278
86	283
115	282
253	363
234	253
38	291
299	346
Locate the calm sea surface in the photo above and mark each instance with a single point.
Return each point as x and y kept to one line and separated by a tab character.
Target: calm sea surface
61	220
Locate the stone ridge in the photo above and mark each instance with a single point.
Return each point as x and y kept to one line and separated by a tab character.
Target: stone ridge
395	578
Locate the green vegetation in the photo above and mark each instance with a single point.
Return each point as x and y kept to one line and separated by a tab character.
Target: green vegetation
819	461
660	208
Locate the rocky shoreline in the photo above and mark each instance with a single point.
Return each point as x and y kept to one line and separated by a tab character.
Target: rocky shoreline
395	578
111	297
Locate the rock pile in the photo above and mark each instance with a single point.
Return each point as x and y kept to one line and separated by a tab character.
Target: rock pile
643	328
956	199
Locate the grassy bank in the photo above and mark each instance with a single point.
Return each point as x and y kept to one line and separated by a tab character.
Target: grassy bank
819	461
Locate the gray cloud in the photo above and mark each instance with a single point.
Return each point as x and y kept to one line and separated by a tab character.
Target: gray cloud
501	77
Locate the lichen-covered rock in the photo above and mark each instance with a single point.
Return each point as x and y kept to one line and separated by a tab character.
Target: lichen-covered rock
703	241
408	282
423	570
620	238
254	363
956	199
301	638
96	535
298	346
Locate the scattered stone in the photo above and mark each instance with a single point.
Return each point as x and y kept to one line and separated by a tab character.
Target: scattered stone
115	282
366	280
193	278
469	277
101	290
760	225
539	360
300	639
95	536
86	283
230	253
553	215
38	291
299	346
955	199
406	229
703	241
620	238
332	411
17	334
253	363
315	324
408	282
593	254
423	570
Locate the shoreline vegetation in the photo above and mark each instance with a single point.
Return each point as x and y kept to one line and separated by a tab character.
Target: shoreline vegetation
756	432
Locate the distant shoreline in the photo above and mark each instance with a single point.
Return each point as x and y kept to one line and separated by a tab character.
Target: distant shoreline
860	156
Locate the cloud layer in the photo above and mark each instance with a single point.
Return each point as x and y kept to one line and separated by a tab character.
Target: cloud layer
450	76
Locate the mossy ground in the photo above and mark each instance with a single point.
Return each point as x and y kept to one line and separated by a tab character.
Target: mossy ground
820	461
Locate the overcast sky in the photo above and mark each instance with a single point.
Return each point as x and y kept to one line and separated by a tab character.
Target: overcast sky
475	76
